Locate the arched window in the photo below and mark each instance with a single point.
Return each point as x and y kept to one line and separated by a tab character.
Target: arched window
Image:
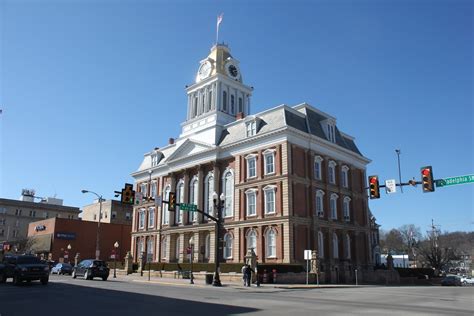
345	176
333	205
348	246
241	107
320	244
165	213
252	240
320	203
164	246
207	247
332	172
229	193
271	243
177	248
318	161
208	190
193	196
180	199
228	240
224	101
335	246
346	208
195	107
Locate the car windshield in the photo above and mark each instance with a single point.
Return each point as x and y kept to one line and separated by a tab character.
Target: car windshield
66	265
28	260
99	263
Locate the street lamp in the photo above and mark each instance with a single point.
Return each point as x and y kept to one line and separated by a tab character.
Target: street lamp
116	245
191	246
68	251
218	205
97	247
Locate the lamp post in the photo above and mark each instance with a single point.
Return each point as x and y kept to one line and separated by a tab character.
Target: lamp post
218	205
191	246
68	251
97	246
116	245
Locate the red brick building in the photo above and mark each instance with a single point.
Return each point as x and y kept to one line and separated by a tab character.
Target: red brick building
51	238
291	181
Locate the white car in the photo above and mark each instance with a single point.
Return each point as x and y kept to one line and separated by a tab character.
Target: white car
467	280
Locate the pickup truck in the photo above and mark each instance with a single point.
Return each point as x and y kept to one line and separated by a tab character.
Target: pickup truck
23	268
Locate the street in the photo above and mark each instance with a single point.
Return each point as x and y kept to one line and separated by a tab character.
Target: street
122	296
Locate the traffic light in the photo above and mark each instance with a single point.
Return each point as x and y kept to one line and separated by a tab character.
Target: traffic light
374	187
172	202
128	194
427	179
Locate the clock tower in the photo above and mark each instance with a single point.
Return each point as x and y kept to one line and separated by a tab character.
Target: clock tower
217	97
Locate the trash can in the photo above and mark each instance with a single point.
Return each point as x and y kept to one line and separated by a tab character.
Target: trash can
209	278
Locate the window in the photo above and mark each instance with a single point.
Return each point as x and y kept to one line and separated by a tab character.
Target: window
320	244
18	212
251	128
345	176
2	221
195	107
335	246
164	245
180	199
228	246
2	232
46	215
348	246
149	246
151	217
332	172
319	203
141	218
193	196
209	100
269	156
224	101
140	246
114	215
177	248
269	199
232	104
165	217
128	216
154	160
333	206
32	213
251	166
346	208
17	223
318	160
153	192
143	189
241	107
330	130
228	192
252	240
251	202
209	190
3	210
271	244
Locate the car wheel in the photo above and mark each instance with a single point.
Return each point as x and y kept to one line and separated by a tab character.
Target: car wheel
73	274
3	278
86	275
16	280
44	281
104	278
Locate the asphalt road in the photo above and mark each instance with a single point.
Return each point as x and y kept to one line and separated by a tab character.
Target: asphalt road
67	296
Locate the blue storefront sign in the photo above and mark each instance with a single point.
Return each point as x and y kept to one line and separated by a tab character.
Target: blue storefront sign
67	236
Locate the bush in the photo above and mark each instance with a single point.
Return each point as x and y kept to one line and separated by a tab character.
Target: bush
415	272
224	267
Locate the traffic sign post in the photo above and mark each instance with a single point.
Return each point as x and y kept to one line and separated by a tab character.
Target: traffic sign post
455	180
307	257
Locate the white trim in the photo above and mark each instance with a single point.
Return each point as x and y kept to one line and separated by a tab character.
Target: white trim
266	154
230	256
248	193
267	244
254	159
232	188
208	199
267	189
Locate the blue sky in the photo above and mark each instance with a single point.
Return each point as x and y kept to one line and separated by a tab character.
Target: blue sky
87	87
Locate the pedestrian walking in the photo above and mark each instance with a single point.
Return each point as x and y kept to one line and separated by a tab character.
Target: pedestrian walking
248	275
244	275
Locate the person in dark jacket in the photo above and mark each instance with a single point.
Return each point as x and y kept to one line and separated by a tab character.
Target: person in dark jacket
247	275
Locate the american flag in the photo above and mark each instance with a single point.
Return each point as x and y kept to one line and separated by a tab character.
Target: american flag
219	19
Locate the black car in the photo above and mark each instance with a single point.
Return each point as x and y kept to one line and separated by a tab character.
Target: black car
451	280
91	268
24	268
62	268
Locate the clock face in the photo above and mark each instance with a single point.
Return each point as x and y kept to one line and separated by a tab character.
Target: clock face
232	71
204	70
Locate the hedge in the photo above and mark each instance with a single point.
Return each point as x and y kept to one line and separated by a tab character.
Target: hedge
415	272
210	267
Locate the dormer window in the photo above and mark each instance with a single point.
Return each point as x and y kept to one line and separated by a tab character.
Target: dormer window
329	127
154	160
251	128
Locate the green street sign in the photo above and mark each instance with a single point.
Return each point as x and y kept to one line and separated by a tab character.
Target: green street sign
188	207
455	180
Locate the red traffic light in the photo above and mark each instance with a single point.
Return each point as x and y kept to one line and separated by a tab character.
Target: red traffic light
426	172
373	180
374	190
427	179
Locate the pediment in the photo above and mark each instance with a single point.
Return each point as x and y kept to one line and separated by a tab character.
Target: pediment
188	148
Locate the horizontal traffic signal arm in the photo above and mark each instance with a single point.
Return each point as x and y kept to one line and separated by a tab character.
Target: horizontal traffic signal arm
196	210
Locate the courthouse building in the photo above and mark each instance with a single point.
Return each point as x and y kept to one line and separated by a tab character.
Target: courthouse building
292	180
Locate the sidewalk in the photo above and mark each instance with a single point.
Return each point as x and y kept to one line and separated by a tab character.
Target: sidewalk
136	277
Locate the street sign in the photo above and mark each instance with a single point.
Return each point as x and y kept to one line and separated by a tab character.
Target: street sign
455	180
188	207
390	186
138	198
307	255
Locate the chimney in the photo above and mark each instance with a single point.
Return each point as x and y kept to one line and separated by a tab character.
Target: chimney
171	141
240	115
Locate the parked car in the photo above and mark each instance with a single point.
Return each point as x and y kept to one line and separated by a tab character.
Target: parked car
62	268
23	268
465	280
451	280
91	268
